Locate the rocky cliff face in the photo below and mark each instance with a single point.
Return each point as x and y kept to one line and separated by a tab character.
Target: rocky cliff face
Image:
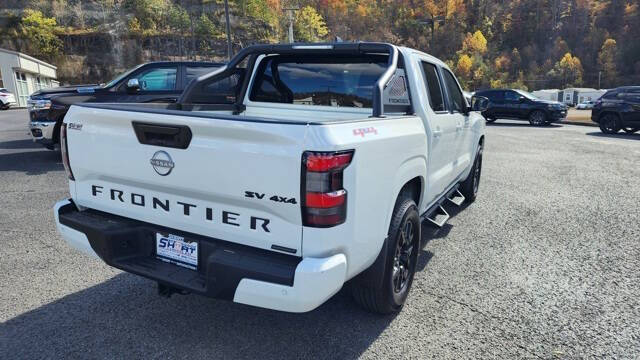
107	47
97	57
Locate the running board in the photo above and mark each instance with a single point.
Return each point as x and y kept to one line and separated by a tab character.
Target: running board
456	197
438	217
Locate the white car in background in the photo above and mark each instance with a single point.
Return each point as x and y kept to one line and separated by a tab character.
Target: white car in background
587	105
7	99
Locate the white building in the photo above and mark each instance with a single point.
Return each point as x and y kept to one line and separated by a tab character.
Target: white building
547	94
22	75
574	96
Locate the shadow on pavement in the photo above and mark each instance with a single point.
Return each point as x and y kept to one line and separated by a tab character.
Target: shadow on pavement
523	124
32	162
431	232
619	135
124	318
20	144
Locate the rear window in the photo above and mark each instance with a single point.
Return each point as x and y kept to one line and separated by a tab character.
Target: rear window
610	95
433	87
335	81
193	72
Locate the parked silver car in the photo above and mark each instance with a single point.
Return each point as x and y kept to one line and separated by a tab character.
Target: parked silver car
587	105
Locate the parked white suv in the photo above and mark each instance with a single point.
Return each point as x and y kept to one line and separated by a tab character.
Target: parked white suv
7	99
278	178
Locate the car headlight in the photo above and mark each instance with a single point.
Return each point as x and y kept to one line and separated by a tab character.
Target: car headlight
555	107
38	104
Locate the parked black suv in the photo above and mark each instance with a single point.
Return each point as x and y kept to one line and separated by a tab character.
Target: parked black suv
161	82
618	109
520	105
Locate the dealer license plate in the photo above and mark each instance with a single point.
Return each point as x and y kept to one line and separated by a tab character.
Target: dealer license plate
176	250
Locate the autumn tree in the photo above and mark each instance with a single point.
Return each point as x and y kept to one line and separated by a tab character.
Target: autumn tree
40	33
309	25
475	43
607	62
567	71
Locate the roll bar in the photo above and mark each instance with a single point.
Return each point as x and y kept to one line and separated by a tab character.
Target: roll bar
357	48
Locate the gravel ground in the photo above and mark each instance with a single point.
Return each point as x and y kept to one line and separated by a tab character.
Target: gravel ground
545	264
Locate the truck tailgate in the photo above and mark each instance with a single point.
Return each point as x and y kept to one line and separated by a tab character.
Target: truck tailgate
237	181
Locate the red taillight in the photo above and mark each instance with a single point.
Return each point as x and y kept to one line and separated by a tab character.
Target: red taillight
321	162
65	151
324	199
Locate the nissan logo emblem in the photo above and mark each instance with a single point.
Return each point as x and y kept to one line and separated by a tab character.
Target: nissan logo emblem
162	163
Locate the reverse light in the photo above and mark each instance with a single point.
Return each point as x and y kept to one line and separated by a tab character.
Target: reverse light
64	149
324	198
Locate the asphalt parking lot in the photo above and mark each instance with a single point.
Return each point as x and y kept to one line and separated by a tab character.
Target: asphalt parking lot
545	264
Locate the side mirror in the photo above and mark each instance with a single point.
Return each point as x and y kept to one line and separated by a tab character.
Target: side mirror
521	99
479	103
133	84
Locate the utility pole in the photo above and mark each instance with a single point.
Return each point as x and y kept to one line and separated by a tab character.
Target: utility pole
226	14
599	78
290	10
431	23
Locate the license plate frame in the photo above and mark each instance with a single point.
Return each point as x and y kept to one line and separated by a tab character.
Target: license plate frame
177	250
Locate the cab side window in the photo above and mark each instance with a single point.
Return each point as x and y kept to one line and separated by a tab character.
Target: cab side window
456	100
434	87
161	79
511	96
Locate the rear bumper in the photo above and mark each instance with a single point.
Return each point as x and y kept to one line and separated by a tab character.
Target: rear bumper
225	270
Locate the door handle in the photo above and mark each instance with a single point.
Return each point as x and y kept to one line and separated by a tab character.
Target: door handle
459	127
437	133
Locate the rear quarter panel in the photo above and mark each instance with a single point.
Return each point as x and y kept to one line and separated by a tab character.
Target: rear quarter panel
388	153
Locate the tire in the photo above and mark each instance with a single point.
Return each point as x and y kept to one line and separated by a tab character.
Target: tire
490	120
537	118
403	246
609	124
630	130
469	187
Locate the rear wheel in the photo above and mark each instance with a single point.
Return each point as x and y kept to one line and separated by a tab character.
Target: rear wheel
537	118
609	124
630	130
490	120
403	245
469	187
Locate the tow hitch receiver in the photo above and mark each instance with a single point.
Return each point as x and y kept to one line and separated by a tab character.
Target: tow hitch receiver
167	291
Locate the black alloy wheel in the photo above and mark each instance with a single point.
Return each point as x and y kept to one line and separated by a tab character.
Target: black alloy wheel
609	124
537	118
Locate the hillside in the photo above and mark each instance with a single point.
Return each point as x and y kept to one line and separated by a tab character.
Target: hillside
529	44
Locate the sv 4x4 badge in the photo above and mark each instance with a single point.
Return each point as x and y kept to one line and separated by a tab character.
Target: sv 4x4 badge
276	198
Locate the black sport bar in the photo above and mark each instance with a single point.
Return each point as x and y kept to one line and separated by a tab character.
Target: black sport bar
309	48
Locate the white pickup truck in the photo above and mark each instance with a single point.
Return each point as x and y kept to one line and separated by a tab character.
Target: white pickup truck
277	180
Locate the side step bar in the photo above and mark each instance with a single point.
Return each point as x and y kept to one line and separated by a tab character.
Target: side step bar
438	217
436	214
456	197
